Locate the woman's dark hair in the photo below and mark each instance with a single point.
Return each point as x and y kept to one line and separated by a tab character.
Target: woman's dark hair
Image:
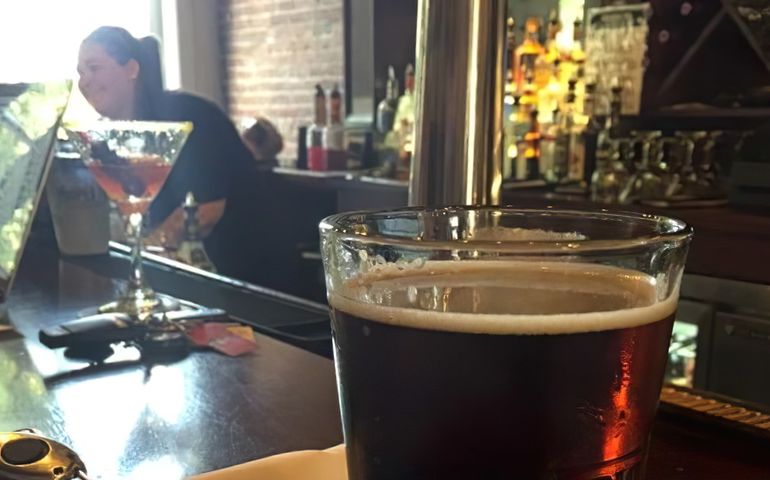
122	47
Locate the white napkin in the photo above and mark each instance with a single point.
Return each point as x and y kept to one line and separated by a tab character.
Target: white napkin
304	465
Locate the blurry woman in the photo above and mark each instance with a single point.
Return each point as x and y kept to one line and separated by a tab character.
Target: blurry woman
120	77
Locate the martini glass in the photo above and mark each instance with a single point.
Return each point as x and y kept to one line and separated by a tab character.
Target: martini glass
131	161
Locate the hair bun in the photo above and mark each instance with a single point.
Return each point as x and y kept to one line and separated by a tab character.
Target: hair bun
149	47
149	41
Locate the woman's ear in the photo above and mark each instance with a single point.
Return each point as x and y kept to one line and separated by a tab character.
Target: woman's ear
132	67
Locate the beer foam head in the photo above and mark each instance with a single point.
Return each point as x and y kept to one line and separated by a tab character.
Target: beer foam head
505	297
516	234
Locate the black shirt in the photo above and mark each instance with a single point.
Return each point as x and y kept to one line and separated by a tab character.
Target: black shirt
213	161
214	164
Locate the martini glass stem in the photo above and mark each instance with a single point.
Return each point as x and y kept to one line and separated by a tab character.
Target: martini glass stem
138	291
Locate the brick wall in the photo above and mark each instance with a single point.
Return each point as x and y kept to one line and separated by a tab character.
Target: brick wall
274	52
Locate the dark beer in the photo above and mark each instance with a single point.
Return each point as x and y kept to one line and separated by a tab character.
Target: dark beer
499	370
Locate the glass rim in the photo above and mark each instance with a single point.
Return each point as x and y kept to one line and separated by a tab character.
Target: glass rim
676	231
136	125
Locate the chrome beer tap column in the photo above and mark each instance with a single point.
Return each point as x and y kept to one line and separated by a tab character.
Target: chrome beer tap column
458	118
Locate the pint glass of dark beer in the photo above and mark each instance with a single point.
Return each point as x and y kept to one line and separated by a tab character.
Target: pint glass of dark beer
498	343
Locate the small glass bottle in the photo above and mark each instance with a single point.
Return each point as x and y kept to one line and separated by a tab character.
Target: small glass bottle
334	134
386	110
316	157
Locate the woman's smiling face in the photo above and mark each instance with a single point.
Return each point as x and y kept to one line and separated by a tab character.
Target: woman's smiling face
106	84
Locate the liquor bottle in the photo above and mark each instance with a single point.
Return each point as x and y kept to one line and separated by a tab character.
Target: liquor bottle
552	52
572	168
532	148
589	138
510	42
603	185
545	63
574	61
386	110
510	136
191	250
577	54
565	164
405	109
316	159
527	54
404	124
616	105
334	134
550	97
525	101
552	151
528	100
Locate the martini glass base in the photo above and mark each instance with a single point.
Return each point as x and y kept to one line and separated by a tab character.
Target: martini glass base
142	308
